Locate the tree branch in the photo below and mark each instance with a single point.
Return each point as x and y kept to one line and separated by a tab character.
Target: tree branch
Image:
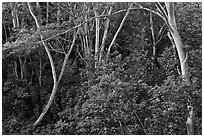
121	24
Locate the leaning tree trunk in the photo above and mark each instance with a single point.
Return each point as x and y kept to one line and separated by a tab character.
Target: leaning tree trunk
177	40
169	19
120	27
55	80
183	58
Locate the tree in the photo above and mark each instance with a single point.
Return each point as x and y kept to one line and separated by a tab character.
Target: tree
169	18
58	68
55	80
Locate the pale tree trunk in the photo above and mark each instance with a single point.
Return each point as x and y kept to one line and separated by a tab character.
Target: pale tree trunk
55	80
105	34
97	24
117	32
14	16
67	56
17	19
152	34
177	40
21	66
183	58
85	35
35	17
54	89
87	45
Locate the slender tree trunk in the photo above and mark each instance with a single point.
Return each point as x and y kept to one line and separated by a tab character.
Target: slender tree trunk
17	18
54	89
55	81
117	32
152	33
97	24
105	34
21	66
87	34
183	63
177	40
35	17
13	13
67	57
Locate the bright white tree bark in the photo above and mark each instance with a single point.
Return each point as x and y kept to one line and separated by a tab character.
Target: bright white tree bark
97	25
169	19
55	80
183	58
120	27
105	34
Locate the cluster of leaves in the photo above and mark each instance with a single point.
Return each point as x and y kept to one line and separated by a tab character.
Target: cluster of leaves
115	100
119	98
189	23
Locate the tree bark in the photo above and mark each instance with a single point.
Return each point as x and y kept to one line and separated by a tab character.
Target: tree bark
22	67
152	34
117	32
183	58
52	67
105	34
97	24
17	18
190	123
35	17
67	57
55	81
13	13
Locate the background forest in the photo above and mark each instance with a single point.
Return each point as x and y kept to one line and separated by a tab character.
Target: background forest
99	68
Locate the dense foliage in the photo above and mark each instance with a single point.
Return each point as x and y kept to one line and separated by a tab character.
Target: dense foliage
129	93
